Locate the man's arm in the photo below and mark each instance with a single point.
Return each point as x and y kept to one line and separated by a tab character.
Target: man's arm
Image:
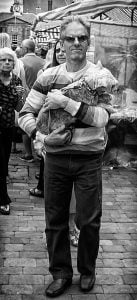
91	115
29	112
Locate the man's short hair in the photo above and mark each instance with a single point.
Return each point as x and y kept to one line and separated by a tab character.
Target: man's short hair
77	19
29	44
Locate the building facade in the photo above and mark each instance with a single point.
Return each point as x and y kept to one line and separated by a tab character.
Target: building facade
17	26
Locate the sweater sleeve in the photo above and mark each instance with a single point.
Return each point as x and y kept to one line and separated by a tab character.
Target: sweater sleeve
29	112
90	115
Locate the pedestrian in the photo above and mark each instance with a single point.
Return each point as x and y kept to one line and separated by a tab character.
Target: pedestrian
32	64
9	101
72	158
59	57
18	70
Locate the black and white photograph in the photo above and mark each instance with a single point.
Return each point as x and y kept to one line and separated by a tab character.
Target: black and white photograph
68	149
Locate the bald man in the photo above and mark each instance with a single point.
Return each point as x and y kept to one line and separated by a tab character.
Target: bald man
32	64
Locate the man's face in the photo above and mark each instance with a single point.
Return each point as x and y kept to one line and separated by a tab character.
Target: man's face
75	41
6	63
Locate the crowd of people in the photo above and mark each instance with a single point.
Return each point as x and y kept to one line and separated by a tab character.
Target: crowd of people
70	157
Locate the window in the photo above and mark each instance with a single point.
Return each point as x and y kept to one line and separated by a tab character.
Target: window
14	39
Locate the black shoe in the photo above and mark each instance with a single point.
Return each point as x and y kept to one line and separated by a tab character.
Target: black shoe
36	193
58	286
5	209
87	282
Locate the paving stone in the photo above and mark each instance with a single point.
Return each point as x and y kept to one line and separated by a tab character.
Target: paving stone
32	254
112	248
110	271
4	279
130	279
112	255
13	247
113	263
115	297
9	254
110	279
26	279
134	288
117	289
9	262
38	270
84	297
17	289
7	297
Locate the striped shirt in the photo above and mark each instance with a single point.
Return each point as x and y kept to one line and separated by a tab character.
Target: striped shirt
91	137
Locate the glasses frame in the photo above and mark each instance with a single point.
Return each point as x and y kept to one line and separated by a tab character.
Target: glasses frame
71	39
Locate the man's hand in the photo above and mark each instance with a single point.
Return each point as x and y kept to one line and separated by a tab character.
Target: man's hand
54	100
38	143
58	137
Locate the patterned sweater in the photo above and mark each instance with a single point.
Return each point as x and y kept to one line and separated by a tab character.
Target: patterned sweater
9	100
91	134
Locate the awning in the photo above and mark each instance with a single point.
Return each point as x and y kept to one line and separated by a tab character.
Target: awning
91	9
48	35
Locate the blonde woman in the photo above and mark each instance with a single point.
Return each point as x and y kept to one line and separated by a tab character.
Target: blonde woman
10	95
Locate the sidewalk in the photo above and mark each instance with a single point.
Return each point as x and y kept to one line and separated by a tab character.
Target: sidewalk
23	257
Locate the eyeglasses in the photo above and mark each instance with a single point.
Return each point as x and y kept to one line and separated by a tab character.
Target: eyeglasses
81	38
5	59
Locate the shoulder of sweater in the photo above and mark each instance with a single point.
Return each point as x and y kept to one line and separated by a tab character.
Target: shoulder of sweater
52	70
91	65
50	74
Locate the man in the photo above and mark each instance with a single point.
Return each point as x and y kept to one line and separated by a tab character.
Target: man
77	161
32	64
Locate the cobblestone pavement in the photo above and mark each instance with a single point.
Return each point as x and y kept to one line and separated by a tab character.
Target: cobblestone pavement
23	257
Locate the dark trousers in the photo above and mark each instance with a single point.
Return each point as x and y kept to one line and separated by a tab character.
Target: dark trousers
61	171
5	150
40	185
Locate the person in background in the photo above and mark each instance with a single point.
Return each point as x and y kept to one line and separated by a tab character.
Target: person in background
59	57
5	40
32	64
19	71
41	52
44	53
18	52
72	159
9	101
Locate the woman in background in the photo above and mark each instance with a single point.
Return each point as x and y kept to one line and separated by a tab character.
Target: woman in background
19	71
10	97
